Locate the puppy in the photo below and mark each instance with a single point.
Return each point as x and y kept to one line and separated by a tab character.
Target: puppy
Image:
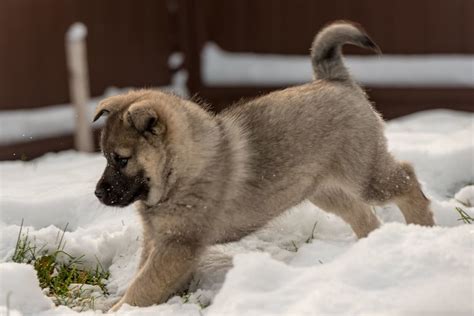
200	179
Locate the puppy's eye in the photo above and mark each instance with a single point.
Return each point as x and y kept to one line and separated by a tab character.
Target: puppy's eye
121	162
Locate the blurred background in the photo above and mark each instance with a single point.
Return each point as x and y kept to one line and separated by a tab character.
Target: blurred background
220	52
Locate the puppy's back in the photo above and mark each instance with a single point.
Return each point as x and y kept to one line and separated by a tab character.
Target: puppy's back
316	125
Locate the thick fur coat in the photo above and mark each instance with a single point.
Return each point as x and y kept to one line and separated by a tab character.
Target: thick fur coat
200	179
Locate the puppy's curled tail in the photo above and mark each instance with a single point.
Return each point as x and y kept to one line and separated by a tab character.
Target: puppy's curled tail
326	55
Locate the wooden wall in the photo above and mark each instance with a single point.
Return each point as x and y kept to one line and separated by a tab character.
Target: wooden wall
288	26
128	45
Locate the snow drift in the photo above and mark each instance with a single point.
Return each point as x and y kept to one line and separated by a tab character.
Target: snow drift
307	262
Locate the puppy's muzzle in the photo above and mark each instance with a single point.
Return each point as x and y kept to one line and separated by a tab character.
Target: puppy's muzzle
99	193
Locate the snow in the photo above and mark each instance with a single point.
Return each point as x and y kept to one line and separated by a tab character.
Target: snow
27	125
466	196
20	287
18	126
397	270
221	68
76	32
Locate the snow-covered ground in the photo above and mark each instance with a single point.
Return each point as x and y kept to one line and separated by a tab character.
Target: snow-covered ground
397	270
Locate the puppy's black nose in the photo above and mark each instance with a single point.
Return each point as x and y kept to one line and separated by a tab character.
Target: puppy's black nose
99	192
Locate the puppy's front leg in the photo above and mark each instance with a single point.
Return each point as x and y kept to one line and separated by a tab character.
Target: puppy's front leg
167	268
148	243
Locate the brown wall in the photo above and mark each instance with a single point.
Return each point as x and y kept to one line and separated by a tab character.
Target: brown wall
288	26
128	45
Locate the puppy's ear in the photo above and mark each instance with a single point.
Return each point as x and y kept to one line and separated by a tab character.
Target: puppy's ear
107	106
145	120
102	108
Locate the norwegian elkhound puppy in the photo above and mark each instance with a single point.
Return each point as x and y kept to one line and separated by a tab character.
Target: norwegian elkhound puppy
200	179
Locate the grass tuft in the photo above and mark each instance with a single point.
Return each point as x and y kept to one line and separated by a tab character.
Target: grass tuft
310	238
65	281
466	218
294	246
189	297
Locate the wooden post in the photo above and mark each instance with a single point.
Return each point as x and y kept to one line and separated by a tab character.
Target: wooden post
76	56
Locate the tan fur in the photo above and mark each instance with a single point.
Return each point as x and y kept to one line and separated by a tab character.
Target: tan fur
218	178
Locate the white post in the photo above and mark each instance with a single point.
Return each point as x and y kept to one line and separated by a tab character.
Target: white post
76	56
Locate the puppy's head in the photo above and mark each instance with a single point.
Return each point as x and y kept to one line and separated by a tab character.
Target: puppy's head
133	141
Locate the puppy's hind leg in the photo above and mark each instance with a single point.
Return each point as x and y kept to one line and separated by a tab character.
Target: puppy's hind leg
356	213
394	181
